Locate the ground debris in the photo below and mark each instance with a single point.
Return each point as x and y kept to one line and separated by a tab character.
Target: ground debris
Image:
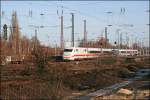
125	91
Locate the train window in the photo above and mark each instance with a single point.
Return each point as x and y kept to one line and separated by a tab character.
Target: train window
76	50
123	51
106	52
128	51
67	50
94	51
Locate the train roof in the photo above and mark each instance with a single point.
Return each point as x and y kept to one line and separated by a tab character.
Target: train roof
128	50
97	49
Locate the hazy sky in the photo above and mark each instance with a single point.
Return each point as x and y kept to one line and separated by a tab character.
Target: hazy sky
44	13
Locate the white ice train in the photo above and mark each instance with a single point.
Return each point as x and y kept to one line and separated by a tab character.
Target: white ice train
73	53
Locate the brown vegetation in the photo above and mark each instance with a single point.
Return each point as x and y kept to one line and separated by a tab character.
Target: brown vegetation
50	80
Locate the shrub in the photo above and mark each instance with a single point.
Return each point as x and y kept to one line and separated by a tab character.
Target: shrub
40	59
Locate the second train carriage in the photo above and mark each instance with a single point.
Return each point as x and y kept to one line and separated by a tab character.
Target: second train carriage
126	52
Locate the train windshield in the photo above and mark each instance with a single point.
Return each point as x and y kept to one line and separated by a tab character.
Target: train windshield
67	50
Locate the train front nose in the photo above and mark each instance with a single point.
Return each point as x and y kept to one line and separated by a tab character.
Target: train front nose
67	54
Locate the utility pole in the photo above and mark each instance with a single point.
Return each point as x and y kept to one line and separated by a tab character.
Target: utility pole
143	47
85	34
139	48
72	29
136	42
120	40
61	29
35	45
0	49
127	41
117	32
62	37
105	37
55	48
132	42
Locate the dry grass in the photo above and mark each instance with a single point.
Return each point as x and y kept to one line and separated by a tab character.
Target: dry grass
59	79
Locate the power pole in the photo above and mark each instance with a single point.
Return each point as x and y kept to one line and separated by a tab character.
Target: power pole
72	29
0	49
85	34
136	42
117	32
61	29
62	37
105	37
120	40
35	45
131	41
127	41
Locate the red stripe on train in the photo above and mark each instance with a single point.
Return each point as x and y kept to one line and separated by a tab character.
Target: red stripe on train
80	55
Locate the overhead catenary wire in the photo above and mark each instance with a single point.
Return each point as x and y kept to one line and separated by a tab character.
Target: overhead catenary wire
72	10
